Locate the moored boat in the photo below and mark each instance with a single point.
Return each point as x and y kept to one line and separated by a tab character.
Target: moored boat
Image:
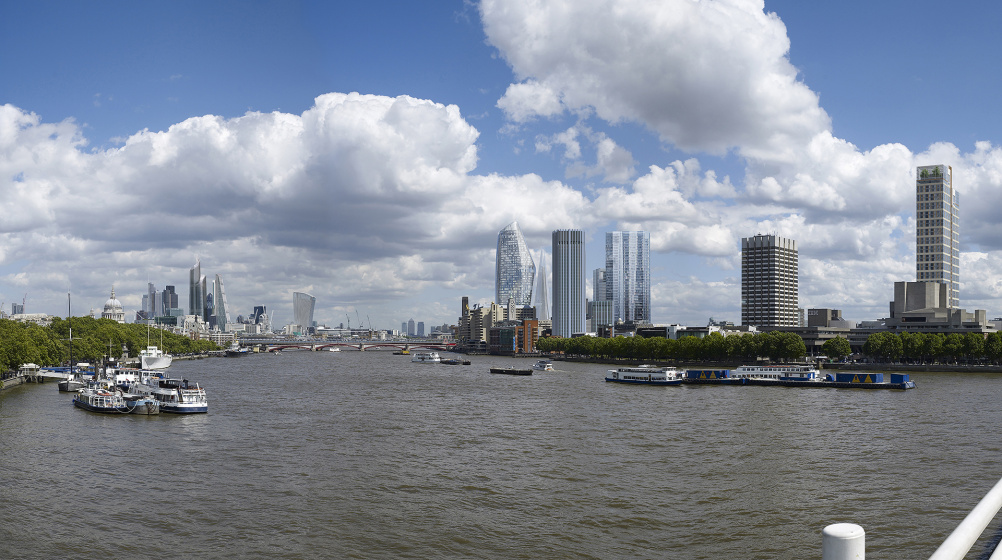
645	375
426	357
97	397
153	357
778	372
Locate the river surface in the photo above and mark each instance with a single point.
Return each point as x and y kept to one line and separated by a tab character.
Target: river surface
368	455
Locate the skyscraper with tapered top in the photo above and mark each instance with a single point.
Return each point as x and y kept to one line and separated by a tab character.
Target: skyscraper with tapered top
937	229
514	268
568	282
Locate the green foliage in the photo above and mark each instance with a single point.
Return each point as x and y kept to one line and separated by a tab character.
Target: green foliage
836	348
93	339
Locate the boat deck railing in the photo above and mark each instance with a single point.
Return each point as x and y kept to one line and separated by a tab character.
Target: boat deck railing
843	541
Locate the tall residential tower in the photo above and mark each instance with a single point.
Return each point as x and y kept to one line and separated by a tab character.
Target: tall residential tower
937	232
769	281
568	282
514	269
628	275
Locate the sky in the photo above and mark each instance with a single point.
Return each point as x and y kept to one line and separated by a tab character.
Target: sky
368	153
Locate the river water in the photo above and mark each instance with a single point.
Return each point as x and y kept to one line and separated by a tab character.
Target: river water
368	455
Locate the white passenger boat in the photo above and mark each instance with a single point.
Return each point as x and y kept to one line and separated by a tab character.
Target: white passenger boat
426	357
176	396
154	358
543	365
778	372
645	375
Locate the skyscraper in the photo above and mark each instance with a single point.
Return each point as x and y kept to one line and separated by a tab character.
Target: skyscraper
598	285
568	282
628	275
540	295
302	310
514	269
937	232
196	290
769	292
222	317
169	299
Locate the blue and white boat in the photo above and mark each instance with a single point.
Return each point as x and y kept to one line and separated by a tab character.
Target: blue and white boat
99	397
426	358
179	396
645	375
543	365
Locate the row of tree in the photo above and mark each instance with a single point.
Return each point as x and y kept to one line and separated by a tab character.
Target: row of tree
774	345
934	347
93	339
781	346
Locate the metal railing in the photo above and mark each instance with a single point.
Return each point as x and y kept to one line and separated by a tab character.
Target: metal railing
845	541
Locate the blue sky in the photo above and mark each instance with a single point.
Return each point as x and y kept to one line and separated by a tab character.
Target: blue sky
137	137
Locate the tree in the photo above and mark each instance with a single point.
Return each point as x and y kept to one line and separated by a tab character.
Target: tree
974	346
884	345
993	346
836	348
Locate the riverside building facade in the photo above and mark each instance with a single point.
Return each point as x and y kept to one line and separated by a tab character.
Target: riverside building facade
769	285
568	269
937	232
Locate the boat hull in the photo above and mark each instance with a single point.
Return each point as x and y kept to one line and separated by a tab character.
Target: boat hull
184	408
511	371
104	409
70	385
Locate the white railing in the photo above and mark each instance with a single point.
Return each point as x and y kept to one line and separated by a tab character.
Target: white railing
845	541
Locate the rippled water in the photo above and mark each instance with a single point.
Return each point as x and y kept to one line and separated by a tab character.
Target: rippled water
367	455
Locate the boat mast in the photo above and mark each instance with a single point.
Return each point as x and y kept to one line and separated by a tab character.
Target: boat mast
69	319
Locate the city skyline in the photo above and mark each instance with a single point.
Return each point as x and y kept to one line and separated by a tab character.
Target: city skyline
372	166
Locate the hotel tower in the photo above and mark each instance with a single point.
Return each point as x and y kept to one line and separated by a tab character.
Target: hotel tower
937	230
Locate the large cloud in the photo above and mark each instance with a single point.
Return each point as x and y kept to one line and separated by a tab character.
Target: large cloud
361	199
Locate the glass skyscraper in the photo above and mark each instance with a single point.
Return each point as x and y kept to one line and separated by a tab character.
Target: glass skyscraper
937	232
568	282
627	275
302	310
514	271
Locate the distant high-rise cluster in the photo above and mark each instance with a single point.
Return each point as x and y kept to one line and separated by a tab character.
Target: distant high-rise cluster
937	232
769	290
208	304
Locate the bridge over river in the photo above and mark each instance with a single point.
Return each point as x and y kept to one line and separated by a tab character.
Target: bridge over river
273	345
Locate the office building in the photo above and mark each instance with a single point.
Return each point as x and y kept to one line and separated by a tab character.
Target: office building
420	329
302	310
219	299
769	288
627	276
411	330
199	300
937	231
568	264
514	268
169	297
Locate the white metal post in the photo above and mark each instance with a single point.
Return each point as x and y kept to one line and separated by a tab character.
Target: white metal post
843	541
